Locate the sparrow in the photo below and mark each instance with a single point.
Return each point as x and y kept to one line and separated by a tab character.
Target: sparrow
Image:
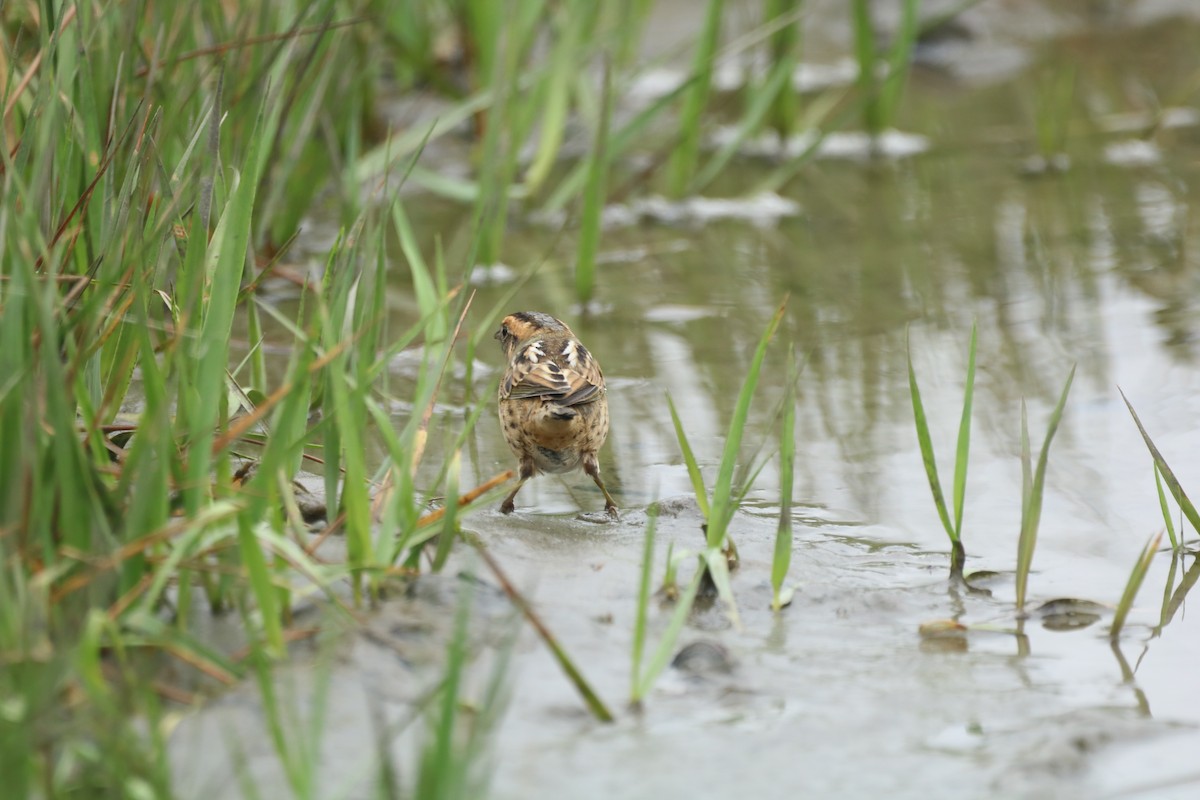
553	404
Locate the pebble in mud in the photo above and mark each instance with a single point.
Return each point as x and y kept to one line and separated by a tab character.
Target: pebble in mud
703	657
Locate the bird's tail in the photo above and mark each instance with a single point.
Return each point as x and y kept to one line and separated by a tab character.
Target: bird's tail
563	413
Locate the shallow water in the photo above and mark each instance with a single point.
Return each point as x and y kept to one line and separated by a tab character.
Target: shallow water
839	696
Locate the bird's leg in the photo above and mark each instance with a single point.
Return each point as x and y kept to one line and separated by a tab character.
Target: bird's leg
592	468
526	468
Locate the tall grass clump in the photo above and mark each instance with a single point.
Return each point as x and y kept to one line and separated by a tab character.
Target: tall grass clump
150	179
953	527
526	74
529	74
713	563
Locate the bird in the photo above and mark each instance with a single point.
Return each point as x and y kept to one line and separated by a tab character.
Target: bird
553	402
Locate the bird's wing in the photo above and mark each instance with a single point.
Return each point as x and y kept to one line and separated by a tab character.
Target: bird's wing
582	372
568	377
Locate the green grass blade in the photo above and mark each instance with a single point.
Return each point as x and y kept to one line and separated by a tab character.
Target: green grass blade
346	407
222	276
643	603
556	102
824	115
1186	584
782	558
865	54
1025	542
227	261
718	567
666	645
1168	590
380	159
689	458
1032	510
440	774
1026	457
670	586
428	299
684	158
1185	504
784	54
624	138
778	82
964	440
594	196
722	505
1140	568
927	455
1166	511
898	60
450	520
592	700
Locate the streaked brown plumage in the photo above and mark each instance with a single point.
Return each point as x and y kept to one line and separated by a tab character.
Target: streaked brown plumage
553	405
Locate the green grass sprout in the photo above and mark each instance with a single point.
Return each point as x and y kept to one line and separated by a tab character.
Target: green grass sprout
961	457
1033	486
1136	576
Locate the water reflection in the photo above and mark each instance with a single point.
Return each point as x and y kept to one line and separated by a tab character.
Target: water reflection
1053	269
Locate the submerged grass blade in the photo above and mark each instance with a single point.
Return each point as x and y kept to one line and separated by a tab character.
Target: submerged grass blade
1140	568
1031	509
